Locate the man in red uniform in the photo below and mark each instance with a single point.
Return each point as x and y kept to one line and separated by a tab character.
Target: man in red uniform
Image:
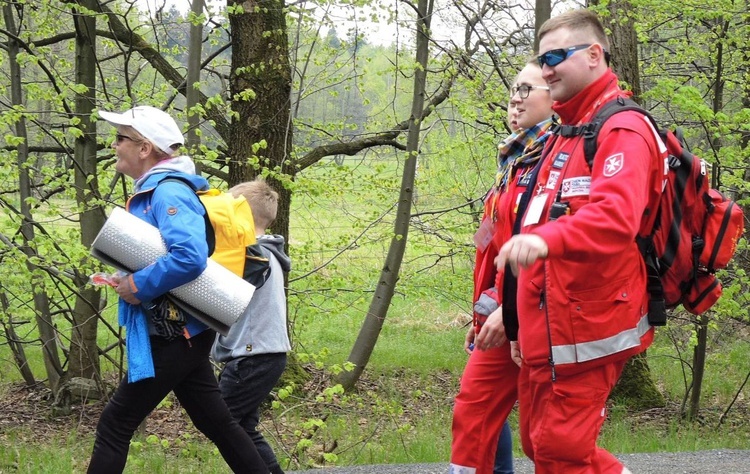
582	300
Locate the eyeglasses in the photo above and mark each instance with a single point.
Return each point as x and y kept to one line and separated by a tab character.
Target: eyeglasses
119	138
524	90
554	57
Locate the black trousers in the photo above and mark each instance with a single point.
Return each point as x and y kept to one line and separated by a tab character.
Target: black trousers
245	384
181	366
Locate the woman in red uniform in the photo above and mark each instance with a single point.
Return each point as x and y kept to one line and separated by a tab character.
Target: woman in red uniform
488	385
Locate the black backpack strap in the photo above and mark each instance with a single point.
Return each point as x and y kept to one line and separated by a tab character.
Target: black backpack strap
257	265
590	131
210	235
657	306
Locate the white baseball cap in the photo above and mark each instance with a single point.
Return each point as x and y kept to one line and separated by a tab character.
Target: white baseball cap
154	124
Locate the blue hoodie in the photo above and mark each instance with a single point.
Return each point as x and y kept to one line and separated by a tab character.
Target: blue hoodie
178	214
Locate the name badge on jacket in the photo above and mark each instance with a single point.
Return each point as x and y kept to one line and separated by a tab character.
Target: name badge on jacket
560	160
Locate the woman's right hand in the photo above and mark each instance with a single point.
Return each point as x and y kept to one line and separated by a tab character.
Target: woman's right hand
515	353
124	288
493	332
469	340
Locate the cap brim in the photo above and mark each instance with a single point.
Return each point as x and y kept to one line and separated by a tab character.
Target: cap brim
115	118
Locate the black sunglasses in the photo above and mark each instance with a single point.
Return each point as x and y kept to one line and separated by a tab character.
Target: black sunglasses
554	57
119	138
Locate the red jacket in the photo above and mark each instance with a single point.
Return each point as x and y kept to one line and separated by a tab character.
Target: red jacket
586	303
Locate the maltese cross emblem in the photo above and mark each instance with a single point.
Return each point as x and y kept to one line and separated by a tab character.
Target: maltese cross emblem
613	165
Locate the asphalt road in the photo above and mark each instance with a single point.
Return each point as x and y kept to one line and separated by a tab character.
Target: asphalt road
718	461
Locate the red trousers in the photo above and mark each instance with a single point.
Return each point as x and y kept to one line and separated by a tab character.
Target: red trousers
488	393
560	421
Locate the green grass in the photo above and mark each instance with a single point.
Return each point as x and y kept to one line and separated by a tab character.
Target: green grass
627	433
70	454
428	340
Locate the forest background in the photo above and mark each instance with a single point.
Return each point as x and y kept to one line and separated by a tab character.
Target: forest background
382	151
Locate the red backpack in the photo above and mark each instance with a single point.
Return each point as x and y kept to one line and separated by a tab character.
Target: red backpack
695	230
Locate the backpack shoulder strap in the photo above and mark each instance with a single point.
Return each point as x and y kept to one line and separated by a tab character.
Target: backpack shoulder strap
210	235
590	131
609	109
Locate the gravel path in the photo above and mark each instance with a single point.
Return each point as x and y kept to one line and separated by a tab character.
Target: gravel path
720	461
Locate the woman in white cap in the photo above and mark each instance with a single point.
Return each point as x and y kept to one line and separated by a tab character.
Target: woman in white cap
164	353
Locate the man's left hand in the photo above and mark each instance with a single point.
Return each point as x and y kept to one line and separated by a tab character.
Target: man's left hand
521	251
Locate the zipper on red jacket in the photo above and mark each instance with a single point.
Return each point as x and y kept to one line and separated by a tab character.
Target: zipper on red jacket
543	304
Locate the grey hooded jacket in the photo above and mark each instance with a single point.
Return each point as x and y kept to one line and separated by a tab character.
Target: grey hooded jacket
262	328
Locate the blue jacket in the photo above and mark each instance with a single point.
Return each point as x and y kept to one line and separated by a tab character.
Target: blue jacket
178	214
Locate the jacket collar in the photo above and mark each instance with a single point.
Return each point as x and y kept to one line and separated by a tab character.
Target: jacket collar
581	107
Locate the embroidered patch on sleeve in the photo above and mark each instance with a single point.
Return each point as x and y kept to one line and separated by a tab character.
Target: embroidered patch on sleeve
613	165
578	186
171	211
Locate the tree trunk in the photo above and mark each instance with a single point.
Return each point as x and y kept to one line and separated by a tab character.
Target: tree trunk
542	13
84	353
745	134
701	324
636	389
15	344
699	367
41	302
193	77
381	300
260	138
623	44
